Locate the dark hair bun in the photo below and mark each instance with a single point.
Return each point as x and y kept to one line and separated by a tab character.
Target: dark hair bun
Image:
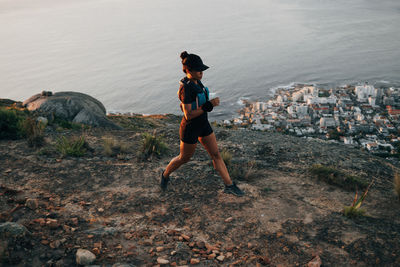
184	55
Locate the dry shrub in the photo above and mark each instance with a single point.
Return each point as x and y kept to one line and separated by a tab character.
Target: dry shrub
227	157
34	132
113	147
244	171
75	146
152	145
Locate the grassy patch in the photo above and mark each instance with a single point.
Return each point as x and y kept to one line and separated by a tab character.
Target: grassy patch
34	132
351	212
74	146
112	147
65	124
355	210
227	157
11	123
397	184
152	145
335	177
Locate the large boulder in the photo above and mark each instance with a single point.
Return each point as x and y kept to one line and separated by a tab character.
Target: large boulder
71	106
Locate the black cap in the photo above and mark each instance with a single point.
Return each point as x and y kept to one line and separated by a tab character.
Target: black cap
193	62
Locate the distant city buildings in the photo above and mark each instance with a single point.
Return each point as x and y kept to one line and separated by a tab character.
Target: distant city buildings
355	115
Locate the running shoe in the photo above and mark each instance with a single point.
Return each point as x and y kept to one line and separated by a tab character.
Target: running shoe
164	181
234	190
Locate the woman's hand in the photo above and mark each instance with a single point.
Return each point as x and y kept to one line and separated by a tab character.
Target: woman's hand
215	101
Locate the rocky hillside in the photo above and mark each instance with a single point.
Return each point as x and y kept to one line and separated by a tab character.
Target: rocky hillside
108	210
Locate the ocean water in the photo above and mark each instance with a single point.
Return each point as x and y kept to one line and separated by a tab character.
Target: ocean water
126	52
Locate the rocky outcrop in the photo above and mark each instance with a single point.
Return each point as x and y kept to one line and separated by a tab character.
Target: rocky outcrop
71	106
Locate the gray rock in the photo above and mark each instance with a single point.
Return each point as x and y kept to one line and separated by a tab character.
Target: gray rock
12	230
42	120
32	203
102	231
84	257
71	106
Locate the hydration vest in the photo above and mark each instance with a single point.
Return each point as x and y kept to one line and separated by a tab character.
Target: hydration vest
201	97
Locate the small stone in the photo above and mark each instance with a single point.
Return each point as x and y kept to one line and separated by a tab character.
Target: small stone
173	252
97	245
45	242
90	236
250	245
192	244
228	220
96	251
85	257
221	258
264	260
40	221
194	261
200	244
159	249
100	210
162	261
147	242
187	210
55	244
171	232
52	223
74	221
186	237
211	256
228	255
315	262
32	203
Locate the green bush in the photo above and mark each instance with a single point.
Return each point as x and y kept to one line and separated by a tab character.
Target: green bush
113	147
75	147
152	145
11	124
352	212
34	131
335	177
67	124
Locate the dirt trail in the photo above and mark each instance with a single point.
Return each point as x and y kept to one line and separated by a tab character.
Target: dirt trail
115	208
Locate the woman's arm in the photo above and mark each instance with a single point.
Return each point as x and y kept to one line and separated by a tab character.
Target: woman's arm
191	114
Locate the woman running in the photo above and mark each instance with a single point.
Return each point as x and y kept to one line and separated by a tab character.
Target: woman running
194	126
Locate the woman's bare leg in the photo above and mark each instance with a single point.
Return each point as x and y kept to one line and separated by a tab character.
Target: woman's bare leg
210	144
186	152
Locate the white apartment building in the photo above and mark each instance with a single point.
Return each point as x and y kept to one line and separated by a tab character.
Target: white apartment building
325	122
365	91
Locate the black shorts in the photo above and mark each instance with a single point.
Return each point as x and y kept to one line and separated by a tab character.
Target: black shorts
190	131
